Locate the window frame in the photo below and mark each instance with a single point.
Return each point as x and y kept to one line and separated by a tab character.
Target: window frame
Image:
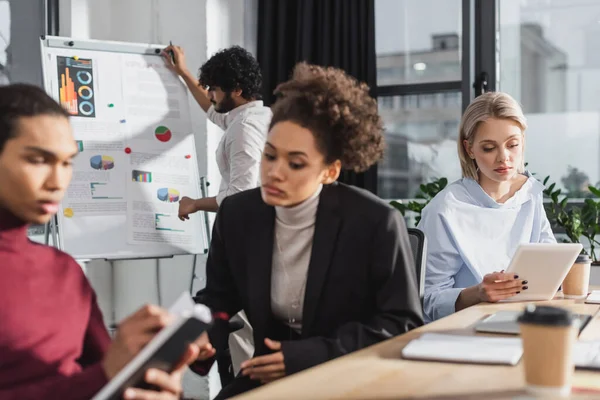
479	60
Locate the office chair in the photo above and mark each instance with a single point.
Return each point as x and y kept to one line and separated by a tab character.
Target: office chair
418	245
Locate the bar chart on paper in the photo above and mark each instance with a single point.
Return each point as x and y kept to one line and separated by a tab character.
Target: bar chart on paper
168	222
141	176
104	190
76	88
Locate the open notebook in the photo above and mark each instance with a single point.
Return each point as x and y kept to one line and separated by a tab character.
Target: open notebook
164	351
586	354
594	297
464	349
488	350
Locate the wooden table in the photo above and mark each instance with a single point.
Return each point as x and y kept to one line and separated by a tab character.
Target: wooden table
378	372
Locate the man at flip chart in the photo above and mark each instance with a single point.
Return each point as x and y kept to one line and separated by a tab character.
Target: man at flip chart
229	92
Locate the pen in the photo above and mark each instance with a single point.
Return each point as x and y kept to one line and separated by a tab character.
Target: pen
171	52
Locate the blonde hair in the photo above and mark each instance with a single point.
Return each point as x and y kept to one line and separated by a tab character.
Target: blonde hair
488	105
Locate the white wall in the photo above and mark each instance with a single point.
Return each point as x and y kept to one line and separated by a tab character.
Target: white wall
201	27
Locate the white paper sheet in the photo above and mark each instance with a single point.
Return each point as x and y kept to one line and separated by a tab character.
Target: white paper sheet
158	182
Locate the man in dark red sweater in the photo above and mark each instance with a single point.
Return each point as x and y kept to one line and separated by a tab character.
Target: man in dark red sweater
53	342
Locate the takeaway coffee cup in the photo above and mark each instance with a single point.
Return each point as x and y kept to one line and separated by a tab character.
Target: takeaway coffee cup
548	335
577	281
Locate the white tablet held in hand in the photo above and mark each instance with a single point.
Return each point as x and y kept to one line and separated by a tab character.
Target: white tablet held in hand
164	351
543	266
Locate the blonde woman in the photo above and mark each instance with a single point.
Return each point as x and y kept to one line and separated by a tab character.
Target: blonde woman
474	226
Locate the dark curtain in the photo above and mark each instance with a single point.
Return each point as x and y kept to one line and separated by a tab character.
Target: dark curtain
337	33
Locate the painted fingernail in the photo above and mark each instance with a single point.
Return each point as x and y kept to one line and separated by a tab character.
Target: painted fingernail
518	292
525	287
525	282
516	276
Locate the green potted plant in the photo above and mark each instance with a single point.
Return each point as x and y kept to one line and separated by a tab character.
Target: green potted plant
427	192
577	221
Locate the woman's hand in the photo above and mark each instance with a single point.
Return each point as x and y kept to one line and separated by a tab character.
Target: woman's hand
168	385
499	286
266	368
494	287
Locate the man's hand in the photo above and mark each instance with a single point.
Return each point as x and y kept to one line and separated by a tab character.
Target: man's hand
187	206
266	368
168	384
499	286
133	334
179	66
206	349
198	90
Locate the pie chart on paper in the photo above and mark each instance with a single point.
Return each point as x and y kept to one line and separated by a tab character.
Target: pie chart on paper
168	195
163	133
102	162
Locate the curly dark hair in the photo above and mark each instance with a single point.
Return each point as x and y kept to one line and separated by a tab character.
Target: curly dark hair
231	69
339	112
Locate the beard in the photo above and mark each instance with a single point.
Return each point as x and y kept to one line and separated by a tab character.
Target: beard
226	105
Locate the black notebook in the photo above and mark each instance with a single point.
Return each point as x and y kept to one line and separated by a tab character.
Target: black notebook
164	351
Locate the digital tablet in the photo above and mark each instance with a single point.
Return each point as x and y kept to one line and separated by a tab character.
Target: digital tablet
163	352
543	266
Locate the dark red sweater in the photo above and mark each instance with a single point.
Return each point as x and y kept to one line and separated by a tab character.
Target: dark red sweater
52	336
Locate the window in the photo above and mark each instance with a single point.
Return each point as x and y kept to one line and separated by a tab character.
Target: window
451	99
18	63
550	62
386	103
419	85
4	40
421	146
415	44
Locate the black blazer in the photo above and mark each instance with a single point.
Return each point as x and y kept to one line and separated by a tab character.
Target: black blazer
361	286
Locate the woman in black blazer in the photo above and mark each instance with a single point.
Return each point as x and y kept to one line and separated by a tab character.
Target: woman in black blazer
322	269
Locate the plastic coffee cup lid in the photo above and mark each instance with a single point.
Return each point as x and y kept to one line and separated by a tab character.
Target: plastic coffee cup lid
546	315
583	258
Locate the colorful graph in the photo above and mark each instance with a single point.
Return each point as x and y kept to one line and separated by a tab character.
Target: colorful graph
141	176
68	96
76	93
79	145
103	191
168	195
102	162
163	133
166	222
